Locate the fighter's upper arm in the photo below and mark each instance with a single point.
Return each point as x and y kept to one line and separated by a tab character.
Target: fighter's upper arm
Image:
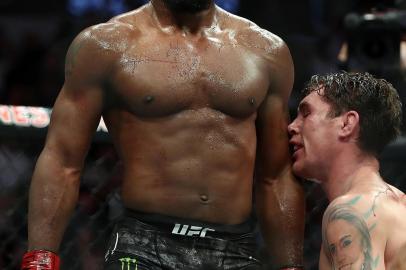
279	197
352	236
79	105
273	115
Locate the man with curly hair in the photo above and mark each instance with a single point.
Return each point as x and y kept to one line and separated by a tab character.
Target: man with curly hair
344	121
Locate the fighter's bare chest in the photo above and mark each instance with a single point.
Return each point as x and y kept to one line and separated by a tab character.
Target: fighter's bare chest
166	79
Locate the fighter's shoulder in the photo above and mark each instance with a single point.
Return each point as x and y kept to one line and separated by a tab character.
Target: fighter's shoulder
351	203
97	46
262	37
113	29
111	35
250	35
131	21
381	203
392	203
355	209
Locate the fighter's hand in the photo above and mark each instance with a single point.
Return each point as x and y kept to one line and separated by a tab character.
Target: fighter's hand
40	260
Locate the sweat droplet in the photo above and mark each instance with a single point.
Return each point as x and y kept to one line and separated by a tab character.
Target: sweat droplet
148	99
252	101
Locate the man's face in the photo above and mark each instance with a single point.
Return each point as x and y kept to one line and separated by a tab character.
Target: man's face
188	6
345	245
313	137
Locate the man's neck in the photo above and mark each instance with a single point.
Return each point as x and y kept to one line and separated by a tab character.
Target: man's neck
351	173
187	23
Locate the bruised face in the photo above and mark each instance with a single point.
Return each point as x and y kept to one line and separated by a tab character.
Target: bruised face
188	6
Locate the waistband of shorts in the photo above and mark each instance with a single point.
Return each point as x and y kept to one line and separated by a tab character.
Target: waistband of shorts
183	226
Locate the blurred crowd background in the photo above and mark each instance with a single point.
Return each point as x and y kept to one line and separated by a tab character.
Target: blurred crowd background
323	35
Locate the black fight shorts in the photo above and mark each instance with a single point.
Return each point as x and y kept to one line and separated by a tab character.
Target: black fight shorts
142	241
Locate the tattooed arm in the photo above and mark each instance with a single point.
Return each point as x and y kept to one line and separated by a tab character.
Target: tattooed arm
351	234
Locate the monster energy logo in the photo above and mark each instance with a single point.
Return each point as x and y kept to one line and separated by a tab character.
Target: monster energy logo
129	263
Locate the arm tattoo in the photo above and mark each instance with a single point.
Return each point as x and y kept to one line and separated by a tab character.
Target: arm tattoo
346	239
354	200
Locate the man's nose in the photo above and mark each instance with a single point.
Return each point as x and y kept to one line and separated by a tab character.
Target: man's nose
292	128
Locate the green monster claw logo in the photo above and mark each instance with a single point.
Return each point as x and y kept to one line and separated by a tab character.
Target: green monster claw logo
128	262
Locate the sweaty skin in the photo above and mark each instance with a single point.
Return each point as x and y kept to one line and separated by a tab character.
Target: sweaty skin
381	209
192	105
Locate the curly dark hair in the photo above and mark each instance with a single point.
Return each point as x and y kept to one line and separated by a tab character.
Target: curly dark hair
376	101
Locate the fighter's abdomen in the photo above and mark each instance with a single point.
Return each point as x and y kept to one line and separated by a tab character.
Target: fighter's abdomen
196	163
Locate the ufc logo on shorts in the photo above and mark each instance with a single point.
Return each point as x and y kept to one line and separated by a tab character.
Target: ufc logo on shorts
190	230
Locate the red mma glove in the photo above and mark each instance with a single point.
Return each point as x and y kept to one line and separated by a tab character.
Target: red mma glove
40	260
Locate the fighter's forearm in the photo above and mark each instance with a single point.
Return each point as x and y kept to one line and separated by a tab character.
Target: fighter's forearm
53	196
280	206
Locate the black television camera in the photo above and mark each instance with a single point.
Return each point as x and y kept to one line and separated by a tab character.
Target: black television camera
374	40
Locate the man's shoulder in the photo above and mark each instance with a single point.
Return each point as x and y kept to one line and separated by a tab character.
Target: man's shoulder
354	198
100	45
382	204
361	208
392	203
131	19
353	204
262	35
107	38
114	32
359	201
251	35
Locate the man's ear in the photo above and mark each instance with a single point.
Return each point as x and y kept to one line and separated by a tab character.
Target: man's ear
349	125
